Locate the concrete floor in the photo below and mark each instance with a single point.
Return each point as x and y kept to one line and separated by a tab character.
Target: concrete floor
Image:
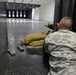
19	28
22	63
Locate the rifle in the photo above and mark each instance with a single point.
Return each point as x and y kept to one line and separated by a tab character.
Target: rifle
53	27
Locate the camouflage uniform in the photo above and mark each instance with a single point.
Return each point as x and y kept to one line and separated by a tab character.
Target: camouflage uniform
62	47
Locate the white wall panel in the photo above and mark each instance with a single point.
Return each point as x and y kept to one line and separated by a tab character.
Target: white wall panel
47	11
35	13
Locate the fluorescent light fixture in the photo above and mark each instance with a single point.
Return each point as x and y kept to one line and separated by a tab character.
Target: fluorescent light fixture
27	5
33	6
7	3
21	5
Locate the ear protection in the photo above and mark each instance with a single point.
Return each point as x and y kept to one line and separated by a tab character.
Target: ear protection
58	24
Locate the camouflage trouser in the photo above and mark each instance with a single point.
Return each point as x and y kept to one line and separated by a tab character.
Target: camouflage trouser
62	67
70	70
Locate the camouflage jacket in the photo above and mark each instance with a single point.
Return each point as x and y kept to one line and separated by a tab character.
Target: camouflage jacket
62	46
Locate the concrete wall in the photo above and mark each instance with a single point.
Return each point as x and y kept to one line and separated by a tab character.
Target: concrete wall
46	11
3	29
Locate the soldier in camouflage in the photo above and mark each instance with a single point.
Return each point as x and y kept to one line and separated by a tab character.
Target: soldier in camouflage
62	48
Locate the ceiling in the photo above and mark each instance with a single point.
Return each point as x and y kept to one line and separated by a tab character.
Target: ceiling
19	6
25	4
39	2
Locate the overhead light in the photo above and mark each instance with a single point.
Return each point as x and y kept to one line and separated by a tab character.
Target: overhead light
7	3
33	6
21	5
27	5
